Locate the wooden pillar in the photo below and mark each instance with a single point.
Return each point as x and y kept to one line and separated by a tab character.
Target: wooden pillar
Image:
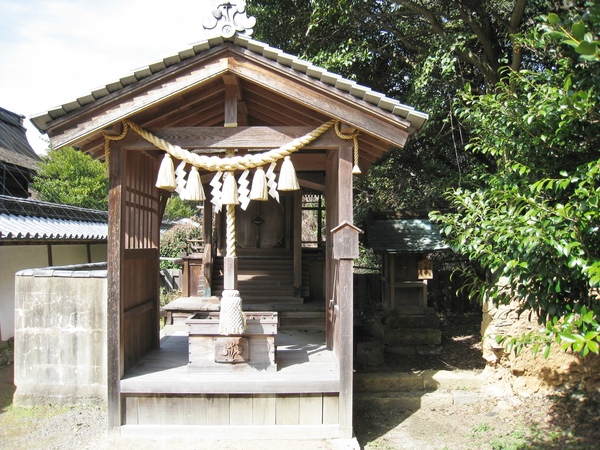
330	222
345	297
345	322
115	354
297	227
207	223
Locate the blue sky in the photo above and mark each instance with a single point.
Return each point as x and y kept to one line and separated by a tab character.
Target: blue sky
54	51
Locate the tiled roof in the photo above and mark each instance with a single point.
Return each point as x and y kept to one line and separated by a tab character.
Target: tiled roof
30	220
416	118
404	236
14	146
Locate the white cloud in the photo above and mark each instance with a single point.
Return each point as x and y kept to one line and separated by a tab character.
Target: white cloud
53	51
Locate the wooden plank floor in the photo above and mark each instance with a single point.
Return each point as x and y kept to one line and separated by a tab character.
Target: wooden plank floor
304	366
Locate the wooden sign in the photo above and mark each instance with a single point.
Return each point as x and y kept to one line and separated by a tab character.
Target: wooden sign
425	269
345	241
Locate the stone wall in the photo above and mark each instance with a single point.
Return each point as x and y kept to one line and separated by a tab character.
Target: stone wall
528	374
60	336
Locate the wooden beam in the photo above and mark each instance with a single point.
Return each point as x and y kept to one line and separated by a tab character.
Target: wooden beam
231	138
64	134
232	94
310	185
305	91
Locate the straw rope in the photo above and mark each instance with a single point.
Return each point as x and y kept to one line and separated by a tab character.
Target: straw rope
110	137
230	238
353	136
215	163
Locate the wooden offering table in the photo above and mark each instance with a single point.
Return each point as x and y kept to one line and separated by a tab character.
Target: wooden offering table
252	351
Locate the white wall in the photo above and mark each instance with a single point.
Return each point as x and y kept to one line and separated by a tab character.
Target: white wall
18	257
12	259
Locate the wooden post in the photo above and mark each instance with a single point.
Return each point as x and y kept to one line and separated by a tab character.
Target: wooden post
115	357
345	322
331	220
297	227
208	247
345	296
392	280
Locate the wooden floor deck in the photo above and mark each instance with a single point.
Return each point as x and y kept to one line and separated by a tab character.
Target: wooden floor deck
304	366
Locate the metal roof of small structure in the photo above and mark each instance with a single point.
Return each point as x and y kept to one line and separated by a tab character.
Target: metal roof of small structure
404	235
29	221
14	146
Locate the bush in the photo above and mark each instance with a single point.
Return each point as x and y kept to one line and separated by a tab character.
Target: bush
173	242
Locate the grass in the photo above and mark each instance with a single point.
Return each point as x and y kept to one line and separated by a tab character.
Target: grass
516	440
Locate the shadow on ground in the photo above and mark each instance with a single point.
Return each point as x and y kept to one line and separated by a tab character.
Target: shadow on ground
572	422
567	419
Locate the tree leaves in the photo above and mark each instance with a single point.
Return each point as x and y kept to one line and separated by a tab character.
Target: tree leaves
70	177
533	224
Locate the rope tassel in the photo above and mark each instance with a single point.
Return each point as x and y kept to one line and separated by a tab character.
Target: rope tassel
166	174
259	189
194	190
288	181
229	196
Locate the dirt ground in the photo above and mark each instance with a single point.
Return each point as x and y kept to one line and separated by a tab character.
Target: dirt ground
562	420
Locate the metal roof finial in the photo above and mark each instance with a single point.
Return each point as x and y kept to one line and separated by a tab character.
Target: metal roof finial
229	18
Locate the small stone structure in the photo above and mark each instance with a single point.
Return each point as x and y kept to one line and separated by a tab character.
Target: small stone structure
527	374
60	335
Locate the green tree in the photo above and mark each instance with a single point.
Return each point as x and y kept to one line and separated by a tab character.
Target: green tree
179	209
70	177
421	52
533	220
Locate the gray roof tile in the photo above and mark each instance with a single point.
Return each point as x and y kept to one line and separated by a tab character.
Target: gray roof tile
380	100
31	220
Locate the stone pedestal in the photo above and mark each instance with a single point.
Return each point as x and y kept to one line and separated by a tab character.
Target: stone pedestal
252	351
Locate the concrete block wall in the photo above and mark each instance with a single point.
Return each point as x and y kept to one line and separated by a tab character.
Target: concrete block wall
60	335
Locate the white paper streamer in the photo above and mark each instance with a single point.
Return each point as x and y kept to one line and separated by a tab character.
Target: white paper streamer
243	191
216	191
271	181
180	178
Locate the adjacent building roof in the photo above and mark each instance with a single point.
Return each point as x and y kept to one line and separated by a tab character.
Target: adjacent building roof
32	221
14	146
410	235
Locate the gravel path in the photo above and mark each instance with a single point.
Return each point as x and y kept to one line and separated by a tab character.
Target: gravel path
568	419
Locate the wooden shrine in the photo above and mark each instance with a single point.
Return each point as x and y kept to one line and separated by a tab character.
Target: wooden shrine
404	241
222	112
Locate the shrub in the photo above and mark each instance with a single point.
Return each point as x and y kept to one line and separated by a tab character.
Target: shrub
173	242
